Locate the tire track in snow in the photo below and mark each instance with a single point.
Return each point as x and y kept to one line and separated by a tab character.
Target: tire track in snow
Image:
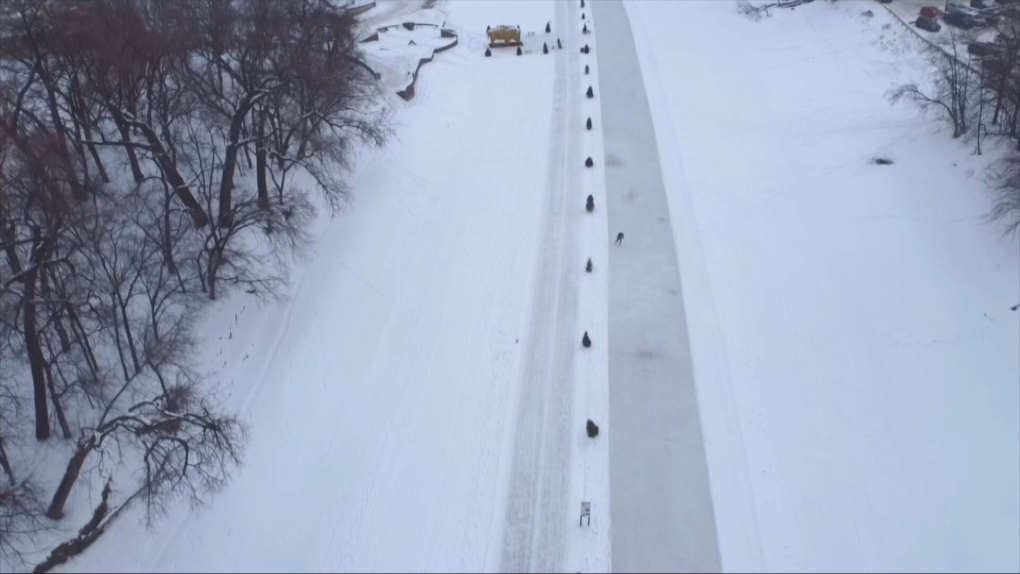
536	515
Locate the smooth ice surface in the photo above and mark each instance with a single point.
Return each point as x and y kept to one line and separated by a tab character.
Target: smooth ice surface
662	504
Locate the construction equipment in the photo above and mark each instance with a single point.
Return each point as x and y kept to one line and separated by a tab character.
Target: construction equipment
504	36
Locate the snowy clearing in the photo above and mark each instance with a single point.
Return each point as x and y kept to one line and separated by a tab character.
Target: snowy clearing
856	357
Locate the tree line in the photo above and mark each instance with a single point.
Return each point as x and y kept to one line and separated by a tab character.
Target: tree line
154	154
979	98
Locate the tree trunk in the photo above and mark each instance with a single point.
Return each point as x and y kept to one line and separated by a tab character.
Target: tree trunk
56	315
128	334
77	190
125	136
168	245
230	161
260	162
74	466
5	463
181	189
8	236
61	419
35	355
82	338
211	273
105	177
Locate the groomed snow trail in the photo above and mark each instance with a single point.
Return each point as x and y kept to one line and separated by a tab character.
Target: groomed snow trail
539	485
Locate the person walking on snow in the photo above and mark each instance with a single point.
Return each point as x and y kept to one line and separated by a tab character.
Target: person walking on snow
619	238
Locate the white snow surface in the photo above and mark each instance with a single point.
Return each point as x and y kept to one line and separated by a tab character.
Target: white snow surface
856	360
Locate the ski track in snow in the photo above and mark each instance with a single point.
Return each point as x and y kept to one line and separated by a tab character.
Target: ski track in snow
536	516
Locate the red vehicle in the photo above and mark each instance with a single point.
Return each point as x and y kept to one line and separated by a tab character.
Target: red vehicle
932	12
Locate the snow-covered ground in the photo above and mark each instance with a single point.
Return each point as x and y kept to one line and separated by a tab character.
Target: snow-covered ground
856	357
418	403
384	396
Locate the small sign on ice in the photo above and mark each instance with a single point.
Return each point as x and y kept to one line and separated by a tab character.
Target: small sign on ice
585	513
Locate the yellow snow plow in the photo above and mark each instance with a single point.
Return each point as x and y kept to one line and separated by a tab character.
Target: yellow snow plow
503	36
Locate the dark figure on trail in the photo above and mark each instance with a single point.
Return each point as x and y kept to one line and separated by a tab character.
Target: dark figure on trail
592	428
619	238
590	204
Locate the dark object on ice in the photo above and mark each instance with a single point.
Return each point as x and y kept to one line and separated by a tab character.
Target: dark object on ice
548	28
1013	308
587	268
559	44
545	48
585	340
585	29
586	49
488	52
588	162
582	15
519	52
590	205
586	69
582	3
588	125
619	238
881	161
592	428
590	93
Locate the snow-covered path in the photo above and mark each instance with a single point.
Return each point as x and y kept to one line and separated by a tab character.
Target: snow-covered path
536	516
662	511
554	465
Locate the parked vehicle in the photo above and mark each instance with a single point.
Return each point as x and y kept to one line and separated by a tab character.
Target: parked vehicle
994	65
929	24
976	15
961	20
932	12
991	16
984	49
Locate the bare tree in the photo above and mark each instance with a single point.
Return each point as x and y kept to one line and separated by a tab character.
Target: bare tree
1005	183
755	11
103	276
952	86
20	524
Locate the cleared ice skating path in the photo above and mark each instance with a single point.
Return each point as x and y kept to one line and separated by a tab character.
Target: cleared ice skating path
661	505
